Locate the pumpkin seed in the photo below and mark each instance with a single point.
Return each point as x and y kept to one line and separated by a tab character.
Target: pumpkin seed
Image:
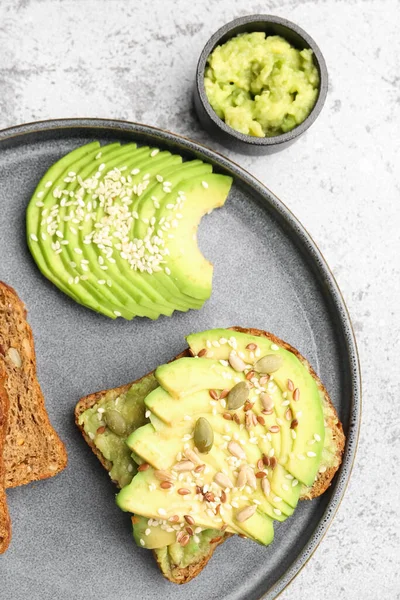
238	395
236	362
115	422
203	435
268	363
246	513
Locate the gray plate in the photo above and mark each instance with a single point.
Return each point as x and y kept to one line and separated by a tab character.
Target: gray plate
69	538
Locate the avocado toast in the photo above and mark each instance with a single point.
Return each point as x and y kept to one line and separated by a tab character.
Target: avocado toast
184	540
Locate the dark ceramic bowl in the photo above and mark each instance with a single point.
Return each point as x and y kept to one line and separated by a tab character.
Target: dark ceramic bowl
248	144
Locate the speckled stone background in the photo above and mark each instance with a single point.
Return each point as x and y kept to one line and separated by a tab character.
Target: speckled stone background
136	61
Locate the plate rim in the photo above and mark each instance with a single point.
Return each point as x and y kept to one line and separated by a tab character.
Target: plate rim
332	290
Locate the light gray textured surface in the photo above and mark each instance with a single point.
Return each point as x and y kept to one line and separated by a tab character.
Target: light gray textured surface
118	59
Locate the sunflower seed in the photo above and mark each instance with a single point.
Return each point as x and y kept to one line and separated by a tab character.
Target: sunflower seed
236	362
251	478
236	450
183	465
242	477
266	486
223	480
246	513
192	456
266	401
163	475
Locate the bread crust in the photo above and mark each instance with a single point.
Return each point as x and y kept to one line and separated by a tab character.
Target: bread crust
323	481
5	521
45	438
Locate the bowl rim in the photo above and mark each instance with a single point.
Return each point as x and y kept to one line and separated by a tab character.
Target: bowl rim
249	139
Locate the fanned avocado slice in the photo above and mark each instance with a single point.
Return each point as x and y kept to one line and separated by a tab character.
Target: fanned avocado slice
308	434
158	444
83	218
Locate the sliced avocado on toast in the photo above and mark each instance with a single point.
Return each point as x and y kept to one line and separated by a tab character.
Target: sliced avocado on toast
115	228
278	477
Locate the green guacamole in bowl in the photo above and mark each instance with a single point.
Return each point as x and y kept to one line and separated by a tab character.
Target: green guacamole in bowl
261	86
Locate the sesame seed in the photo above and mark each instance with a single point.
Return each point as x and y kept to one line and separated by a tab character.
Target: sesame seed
48	184
117	313
277	511
317	437
168	271
142	542
204	184
101	281
294	482
34	237
311	454
154	152
162	512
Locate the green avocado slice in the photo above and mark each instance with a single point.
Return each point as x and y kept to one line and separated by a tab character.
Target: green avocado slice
201	373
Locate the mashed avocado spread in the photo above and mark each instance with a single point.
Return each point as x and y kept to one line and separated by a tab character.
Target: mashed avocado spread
261	86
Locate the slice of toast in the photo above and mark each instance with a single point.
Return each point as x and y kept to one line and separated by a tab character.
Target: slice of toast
32	449
5	523
183	575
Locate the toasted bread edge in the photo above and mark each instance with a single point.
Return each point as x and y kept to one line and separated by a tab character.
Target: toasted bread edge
5	521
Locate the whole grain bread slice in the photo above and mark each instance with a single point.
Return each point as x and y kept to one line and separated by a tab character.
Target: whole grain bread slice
181	575
32	448
5	523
